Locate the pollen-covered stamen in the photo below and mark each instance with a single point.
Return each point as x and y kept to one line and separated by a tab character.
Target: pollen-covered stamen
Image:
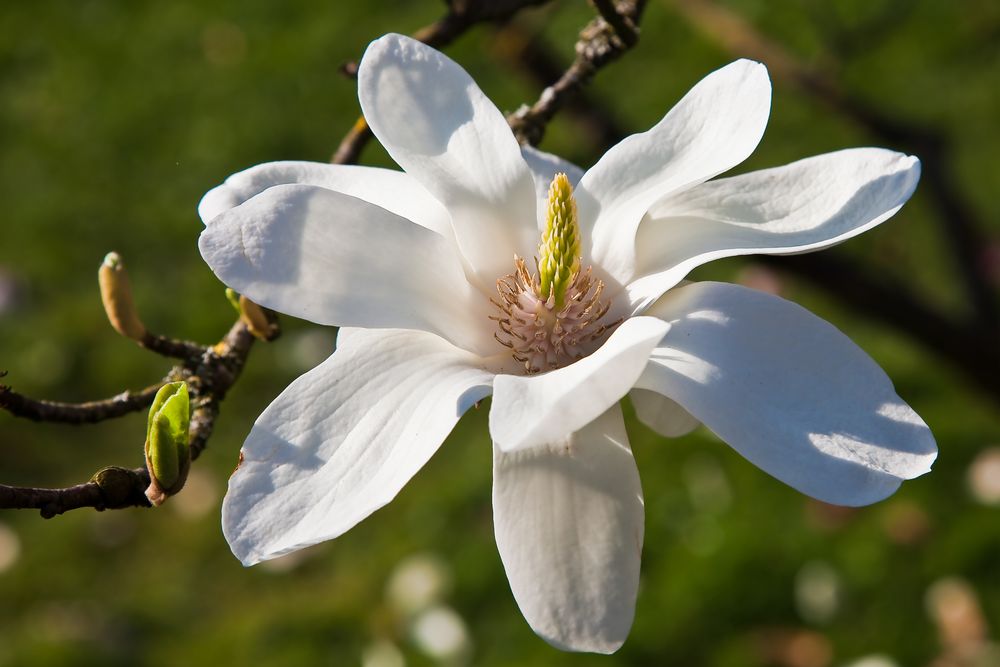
551	319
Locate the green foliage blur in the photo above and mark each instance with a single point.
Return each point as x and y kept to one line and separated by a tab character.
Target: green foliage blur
115	117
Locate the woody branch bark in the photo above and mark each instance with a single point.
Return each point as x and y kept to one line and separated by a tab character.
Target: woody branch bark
89	412
530	54
601	42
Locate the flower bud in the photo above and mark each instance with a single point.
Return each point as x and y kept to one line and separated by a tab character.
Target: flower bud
256	320
167	454
253	316
116	293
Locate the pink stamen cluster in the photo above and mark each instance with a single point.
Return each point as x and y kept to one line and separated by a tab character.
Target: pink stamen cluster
538	335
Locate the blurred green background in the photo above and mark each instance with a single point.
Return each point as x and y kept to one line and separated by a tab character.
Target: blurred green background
115	117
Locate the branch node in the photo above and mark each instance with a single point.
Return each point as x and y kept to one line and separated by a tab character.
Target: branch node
119	488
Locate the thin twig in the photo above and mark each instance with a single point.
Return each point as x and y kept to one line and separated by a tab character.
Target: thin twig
530	54
353	143
171	347
76	413
597	46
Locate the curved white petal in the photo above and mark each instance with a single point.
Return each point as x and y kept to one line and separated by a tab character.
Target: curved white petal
335	259
801	207
569	527
441	129
344	438
661	414
535	410
395	191
789	392
544	166
712	129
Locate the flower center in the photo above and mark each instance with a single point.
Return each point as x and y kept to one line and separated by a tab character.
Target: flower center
552	318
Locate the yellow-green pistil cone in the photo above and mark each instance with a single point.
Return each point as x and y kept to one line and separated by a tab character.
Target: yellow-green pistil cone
559	252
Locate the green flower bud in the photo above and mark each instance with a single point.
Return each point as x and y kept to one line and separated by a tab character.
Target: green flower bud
167	454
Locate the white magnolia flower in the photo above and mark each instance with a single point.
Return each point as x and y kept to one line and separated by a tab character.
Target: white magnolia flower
421	270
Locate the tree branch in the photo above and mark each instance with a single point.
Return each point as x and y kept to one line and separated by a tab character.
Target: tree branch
542	65
598	45
76	413
109	488
171	347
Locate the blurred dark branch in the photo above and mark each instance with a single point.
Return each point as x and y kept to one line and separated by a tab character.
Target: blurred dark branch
463	14
599	44
76	413
620	19
968	348
460	17
849	41
353	143
959	221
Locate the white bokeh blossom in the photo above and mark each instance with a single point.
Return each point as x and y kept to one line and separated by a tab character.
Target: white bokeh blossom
429	273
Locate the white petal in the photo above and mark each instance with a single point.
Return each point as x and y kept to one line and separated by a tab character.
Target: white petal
569	527
801	207
441	129
334	259
661	414
712	129
394	191
544	166
789	392
344	438
535	410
